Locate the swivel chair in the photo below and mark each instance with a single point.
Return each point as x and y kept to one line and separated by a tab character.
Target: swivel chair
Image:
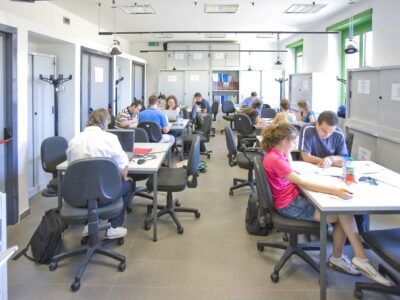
152	129
204	134
228	108
349	142
172	180
244	128
85	183
214	111
268	113
290	226
52	153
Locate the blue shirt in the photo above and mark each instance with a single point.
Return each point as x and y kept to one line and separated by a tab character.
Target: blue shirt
310	142
152	114
306	119
249	101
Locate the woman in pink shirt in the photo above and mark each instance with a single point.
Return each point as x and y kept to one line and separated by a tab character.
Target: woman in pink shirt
278	141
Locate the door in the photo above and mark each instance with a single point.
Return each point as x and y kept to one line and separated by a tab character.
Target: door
196	81
2	115
250	81
300	88
40	117
270	88
172	83
138	81
96	82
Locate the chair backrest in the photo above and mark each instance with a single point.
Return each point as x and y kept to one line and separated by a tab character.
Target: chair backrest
111	125
152	129
214	108
228	107
126	138
243	124
268	113
53	152
349	142
193	161
263	188
91	178
207	125
184	111
141	135
231	145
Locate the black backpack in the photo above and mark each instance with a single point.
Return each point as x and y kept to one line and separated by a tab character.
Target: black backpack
46	239
258	220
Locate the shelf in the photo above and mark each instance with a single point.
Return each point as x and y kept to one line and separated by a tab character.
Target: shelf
233	91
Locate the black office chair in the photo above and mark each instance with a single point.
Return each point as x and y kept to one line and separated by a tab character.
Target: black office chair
268	113
228	108
244	129
152	129
172	180
242	159
126	138
283	224
84	183
385	243
52	153
204	134
349	142
214	111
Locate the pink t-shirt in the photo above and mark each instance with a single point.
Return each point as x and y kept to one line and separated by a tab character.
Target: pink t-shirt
277	166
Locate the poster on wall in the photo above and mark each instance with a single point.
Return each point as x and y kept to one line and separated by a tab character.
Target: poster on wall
197	56
395	95
98	74
179	56
219	55
363	87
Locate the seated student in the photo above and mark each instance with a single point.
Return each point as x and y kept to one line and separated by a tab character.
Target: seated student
129	117
277	143
306	115
254	117
257	105
250	100
172	104
152	113
94	141
161	101
285	115
200	108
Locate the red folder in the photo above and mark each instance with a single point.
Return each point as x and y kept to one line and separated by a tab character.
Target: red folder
141	151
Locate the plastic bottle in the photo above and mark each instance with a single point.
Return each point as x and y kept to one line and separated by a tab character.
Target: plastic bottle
344	164
349	170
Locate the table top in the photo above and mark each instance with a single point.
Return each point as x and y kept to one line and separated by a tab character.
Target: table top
179	125
366	197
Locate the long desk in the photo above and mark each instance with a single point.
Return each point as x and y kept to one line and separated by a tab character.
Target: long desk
367	199
149	167
179	125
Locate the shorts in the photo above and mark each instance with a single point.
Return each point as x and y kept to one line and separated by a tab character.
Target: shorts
300	209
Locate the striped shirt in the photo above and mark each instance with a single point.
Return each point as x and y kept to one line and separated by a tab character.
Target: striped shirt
124	116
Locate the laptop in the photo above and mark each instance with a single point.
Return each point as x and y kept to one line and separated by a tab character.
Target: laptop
170	114
126	138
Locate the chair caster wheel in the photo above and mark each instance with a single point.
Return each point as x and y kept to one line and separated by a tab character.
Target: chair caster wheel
177	203
274	277
149	210
84	240
358	294
147	227
76	286
230	193
197	215
121	241
180	230
53	266
234	182
122	267
260	247
128	209
285	238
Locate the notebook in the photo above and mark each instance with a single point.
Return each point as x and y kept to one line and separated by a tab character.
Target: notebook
126	138
170	114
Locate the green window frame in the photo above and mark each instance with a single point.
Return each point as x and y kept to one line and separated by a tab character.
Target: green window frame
297	46
362	25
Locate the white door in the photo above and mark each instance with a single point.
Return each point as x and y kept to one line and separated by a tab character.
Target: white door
138	81
250	81
172	83
40	117
2	115
300	88
270	88
196	81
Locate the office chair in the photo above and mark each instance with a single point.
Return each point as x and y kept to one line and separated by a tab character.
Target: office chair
52	153
228	107
268	113
214	111
172	180
290	226
385	243
84	183
244	128
242	159
204	134
152	129
349	142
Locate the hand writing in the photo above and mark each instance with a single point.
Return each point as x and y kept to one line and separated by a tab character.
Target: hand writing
325	162
344	193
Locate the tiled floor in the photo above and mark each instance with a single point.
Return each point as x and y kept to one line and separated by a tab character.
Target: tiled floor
215	258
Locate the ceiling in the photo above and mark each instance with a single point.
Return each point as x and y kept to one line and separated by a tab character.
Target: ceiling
184	15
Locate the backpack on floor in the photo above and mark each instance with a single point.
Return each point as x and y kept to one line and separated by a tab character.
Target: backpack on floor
258	220
46	239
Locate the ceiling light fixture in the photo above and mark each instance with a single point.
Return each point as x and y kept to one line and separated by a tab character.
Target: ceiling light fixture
138	9
264	36
352	46
278	59
220	9
305	8
115	48
215	35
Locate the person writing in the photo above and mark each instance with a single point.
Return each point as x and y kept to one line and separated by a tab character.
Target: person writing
306	115
94	141
172	104
200	108
285	115
129	117
277	142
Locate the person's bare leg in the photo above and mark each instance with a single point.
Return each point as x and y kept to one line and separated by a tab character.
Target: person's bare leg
339	236
349	226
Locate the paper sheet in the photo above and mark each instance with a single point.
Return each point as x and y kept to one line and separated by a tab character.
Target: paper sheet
194	77
172	78
219	55
395	95
179	56
98	74
363	87
197	56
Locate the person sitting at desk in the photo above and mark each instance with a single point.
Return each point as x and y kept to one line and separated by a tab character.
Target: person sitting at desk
94	141
129	117
250	100
161	101
254	117
257	105
306	115
200	108
152	113
285	115
172	104
277	142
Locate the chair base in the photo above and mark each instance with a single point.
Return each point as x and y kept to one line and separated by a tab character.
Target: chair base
290	249
243	183
376	287
89	251
49	192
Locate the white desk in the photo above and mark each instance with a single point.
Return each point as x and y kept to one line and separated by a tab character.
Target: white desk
179	125
367	199
149	167
267	122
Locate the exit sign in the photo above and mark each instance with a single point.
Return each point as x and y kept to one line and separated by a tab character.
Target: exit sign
153	44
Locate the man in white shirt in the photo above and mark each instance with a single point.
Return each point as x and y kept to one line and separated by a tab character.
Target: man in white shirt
95	142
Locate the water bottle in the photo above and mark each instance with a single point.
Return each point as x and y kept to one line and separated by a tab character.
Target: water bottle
344	164
349	170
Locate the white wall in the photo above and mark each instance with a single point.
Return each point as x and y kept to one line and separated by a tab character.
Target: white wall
124	88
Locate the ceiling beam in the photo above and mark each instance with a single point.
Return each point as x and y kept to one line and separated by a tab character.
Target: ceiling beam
230	50
221	32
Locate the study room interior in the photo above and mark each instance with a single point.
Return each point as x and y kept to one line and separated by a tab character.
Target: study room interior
184	149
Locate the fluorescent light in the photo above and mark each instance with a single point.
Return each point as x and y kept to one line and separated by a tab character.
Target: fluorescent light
265	36
304	8
163	35
215	35
143	9
220	9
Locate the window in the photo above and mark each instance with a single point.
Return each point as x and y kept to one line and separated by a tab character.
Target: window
368	39
298	55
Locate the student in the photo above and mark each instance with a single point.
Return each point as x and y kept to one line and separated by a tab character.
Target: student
257	105
161	101
284	116
152	113
172	104
200	108
94	141
250	100
277	143
129	117
254	117
306	115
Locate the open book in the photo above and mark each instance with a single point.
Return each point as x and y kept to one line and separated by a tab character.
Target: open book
302	167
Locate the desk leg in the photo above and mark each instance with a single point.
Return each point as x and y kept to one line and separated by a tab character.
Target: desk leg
322	257
59	187
155	211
